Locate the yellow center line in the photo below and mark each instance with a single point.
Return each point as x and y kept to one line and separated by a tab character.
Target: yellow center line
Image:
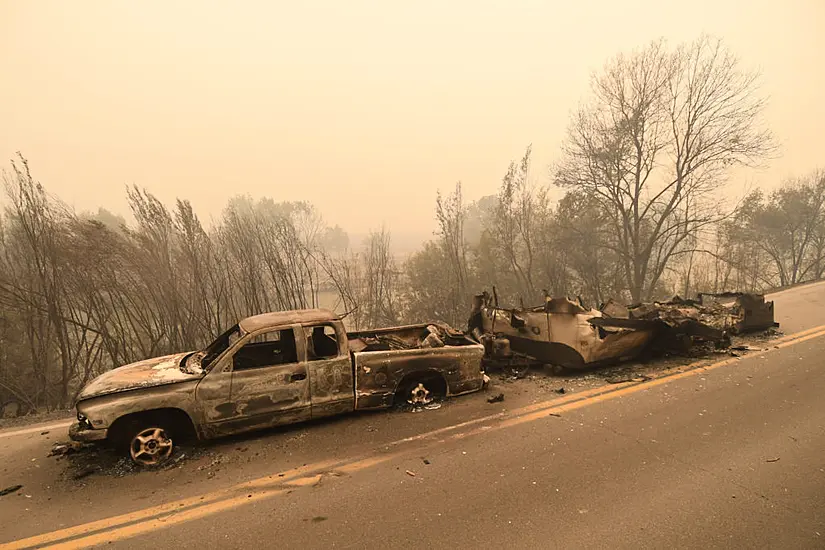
154	524
141	521
166	508
214	507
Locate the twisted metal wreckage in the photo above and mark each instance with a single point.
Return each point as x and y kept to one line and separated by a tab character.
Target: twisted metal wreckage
565	333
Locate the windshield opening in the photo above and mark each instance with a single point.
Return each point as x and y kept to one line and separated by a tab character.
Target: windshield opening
221	343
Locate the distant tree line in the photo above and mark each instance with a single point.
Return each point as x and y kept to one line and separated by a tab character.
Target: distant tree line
640	217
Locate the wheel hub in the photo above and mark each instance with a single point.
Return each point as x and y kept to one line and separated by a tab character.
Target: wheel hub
419	395
151	446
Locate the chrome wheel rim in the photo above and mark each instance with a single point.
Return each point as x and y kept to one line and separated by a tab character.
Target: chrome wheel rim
151	447
420	395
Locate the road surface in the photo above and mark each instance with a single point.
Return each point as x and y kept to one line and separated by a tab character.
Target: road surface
726	455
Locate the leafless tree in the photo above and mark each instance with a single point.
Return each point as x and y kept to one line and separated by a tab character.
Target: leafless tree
512	232
451	214
655	143
82	294
380	281
427	294
788	226
344	270
583	233
34	283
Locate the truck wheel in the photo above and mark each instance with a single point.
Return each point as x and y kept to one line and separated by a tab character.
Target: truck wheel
150	444
419	392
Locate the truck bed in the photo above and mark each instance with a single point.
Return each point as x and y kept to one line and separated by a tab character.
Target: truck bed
384	358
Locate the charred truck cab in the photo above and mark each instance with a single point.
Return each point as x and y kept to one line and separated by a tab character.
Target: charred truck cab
268	370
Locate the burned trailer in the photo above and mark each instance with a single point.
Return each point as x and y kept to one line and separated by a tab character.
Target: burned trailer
564	333
561	333
738	312
712	318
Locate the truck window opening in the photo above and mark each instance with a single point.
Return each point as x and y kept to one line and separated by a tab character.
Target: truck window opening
321	343
271	348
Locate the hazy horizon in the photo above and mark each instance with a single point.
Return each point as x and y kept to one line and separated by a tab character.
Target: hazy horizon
365	110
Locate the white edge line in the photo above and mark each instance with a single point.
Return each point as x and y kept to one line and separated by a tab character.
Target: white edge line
34	429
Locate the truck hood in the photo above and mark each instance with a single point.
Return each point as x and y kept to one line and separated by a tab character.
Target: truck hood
157	371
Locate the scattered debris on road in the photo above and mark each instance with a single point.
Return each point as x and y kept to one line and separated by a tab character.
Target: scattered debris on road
85	472
772	459
63	449
410	473
496	398
745	347
418	407
326	475
623	379
177	460
10	490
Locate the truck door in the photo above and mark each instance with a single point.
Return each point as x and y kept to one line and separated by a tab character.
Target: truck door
269	385
332	388
212	395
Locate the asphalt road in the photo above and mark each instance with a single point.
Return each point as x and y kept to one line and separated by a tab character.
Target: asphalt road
728	455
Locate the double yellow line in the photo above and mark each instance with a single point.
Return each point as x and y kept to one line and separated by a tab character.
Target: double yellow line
172	513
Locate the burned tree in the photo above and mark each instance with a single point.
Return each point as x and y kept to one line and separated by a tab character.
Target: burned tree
451	215
788	226
37	275
582	233
381	305
656	141
513	233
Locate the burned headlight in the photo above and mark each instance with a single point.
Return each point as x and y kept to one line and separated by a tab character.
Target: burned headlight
85	422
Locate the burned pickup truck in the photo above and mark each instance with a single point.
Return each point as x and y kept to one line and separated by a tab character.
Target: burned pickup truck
268	370
564	333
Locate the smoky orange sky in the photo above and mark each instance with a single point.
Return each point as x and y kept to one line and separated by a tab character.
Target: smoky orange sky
363	108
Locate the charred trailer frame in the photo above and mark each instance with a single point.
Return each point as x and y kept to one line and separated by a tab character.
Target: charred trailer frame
561	333
564	333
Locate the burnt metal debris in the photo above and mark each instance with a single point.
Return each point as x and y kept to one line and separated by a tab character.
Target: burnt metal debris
565	333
